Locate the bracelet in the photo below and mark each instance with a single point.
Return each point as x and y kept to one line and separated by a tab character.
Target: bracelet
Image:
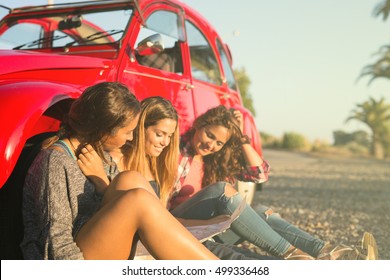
245	139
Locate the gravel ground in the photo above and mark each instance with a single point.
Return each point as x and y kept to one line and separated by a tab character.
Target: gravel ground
335	199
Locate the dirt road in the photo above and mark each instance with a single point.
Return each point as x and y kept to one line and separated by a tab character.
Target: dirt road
335	199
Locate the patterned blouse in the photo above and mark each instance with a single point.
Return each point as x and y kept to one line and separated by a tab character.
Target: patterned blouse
256	174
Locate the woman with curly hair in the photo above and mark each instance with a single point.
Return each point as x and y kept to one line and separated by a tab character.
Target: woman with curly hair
214	154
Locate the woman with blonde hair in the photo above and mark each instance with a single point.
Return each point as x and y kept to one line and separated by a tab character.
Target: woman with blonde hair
154	151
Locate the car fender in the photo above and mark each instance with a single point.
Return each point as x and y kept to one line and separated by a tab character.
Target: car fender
23	104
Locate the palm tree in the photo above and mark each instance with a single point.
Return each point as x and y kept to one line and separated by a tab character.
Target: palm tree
382	9
376	115
381	68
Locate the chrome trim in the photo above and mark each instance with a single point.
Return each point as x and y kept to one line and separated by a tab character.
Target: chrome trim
200	84
156	77
56	6
81	52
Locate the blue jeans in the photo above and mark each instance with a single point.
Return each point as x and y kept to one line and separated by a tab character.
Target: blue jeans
269	232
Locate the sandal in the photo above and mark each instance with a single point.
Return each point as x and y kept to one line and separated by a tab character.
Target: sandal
369	246
367	251
336	253
296	254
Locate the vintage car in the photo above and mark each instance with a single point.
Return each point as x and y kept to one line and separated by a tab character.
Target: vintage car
49	54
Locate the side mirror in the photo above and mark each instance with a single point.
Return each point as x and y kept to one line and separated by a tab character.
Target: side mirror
150	45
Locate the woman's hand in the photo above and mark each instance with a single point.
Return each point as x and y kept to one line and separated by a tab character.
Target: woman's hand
91	165
240	119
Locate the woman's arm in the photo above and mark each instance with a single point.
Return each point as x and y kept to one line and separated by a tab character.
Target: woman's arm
258	168
252	158
55	203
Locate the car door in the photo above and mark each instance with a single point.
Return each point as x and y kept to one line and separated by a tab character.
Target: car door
212	75
160	69
209	85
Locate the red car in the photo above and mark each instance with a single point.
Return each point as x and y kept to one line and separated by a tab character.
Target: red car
50	54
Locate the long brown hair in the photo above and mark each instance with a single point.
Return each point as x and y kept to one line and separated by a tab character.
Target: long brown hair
99	112
228	162
164	167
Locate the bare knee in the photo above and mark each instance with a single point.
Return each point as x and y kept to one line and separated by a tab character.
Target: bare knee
128	180
124	181
269	212
229	190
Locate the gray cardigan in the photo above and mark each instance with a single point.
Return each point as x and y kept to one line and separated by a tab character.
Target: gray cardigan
57	200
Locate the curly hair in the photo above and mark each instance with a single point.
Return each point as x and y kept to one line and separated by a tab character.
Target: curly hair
228	162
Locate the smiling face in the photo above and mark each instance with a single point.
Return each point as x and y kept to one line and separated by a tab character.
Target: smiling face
210	139
158	136
122	135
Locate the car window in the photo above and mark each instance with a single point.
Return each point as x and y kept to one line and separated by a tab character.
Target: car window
11	37
166	24
63	39
67	29
229	76
204	65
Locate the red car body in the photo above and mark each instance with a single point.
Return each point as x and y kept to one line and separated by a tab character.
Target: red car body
50	54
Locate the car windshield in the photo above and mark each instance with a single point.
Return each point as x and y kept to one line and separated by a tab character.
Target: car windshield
65	30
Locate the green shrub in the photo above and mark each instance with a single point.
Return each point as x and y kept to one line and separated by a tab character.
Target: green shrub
270	141
319	146
358	149
295	141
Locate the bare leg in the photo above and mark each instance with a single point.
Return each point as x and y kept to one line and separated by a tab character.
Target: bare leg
125	181
109	233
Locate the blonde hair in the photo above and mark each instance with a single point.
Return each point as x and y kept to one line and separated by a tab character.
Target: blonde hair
163	167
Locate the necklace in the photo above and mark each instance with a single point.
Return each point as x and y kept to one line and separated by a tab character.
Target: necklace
73	147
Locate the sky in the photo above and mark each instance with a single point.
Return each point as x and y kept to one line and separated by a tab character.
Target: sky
303	58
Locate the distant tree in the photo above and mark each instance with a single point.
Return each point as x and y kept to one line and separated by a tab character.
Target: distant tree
244	83
382	9
381	67
342	138
376	115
